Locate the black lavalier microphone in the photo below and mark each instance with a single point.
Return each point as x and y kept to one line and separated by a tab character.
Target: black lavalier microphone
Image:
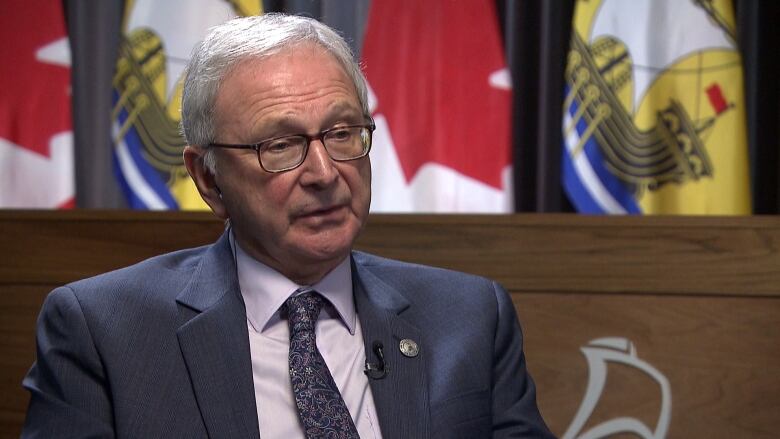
377	371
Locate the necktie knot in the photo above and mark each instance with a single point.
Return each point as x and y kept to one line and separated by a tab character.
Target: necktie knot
303	310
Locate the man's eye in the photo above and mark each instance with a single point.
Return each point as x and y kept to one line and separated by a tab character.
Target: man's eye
279	145
340	135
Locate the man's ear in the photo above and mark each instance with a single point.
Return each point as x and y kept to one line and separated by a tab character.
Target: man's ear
204	180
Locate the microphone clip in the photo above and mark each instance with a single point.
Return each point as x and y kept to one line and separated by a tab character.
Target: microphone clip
379	370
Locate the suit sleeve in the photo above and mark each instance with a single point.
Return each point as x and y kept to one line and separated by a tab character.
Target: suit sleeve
69	396
515	413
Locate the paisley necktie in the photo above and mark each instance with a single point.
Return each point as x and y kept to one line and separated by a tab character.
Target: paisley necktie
320	406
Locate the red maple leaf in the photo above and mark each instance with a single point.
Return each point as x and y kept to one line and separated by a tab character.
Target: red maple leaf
429	64
34	101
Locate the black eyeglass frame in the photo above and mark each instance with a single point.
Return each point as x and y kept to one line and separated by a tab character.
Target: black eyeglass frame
319	136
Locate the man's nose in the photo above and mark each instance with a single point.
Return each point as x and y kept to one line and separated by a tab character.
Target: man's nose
318	168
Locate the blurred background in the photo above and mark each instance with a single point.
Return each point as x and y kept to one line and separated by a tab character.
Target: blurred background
611	106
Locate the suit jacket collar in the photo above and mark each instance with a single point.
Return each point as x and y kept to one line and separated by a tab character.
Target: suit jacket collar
214	342
401	397
215	345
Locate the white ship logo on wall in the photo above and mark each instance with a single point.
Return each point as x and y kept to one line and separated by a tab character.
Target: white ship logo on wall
599	353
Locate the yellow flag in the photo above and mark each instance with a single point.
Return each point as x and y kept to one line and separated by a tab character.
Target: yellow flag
155	44
654	116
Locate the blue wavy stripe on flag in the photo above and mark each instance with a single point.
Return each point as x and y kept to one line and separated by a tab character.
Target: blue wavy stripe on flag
591	187
143	186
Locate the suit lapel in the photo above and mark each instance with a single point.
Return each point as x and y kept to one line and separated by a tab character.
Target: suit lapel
401	397
215	345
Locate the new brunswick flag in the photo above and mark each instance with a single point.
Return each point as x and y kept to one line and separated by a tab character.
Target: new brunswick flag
155	44
654	119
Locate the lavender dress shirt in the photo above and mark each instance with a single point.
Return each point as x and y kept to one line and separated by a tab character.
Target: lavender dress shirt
339	339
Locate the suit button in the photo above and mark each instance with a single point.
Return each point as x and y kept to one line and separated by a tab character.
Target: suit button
409	347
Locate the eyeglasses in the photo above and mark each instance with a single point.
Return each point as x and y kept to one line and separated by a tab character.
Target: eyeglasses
279	154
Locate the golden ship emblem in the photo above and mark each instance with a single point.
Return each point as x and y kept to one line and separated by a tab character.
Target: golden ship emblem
606	91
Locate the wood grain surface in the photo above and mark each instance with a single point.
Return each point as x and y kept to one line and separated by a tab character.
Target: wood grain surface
699	298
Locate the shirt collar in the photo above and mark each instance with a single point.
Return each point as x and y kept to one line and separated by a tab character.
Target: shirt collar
265	290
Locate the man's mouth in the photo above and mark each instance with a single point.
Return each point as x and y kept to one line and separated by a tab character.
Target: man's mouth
324	212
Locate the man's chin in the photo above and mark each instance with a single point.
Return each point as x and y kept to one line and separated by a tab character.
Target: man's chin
327	244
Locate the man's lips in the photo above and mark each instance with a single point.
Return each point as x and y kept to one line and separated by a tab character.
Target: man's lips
322	212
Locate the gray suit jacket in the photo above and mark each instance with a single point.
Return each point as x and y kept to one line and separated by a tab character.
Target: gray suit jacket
160	349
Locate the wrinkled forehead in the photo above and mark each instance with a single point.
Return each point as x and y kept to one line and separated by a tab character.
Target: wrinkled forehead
310	52
304	81
303	67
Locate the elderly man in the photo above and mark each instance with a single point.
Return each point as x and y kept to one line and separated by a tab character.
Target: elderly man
279	329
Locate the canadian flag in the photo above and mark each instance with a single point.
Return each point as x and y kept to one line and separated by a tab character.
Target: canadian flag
440	95
36	138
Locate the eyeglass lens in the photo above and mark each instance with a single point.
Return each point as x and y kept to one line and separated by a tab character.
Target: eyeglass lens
342	143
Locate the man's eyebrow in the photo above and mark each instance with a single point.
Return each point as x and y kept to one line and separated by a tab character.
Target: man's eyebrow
342	111
283	125
344	107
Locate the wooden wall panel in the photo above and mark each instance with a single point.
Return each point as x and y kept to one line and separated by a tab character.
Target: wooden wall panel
657	255
59	247
699	297
19	306
720	355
